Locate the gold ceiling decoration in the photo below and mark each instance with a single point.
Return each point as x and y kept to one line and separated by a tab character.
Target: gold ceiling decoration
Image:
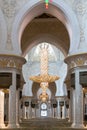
44	78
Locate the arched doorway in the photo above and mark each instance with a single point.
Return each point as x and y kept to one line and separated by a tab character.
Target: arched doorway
60	14
56	67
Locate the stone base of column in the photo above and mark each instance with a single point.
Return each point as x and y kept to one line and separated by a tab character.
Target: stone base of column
77	125
18	126
59	118
2	126
13	126
63	117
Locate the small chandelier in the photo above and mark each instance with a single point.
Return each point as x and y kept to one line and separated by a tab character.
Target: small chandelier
44	97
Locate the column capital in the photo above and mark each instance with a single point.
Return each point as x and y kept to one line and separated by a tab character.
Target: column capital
77	60
11	61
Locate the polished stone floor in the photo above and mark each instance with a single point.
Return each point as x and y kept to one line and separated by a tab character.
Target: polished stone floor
44	124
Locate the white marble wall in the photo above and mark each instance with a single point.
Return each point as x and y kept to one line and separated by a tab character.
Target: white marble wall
10	9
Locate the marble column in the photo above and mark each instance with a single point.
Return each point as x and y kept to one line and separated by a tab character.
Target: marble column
58	110
30	109
33	112
38	110
77	103
49	109
17	107
71	105
20	110
53	112
64	111
12	102
2	110
24	112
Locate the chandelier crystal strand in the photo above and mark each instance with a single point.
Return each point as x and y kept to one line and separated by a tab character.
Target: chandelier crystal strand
44	68
44	59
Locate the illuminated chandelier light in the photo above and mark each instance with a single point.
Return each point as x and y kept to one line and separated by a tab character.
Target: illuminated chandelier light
47	2
44	76
44	86
44	97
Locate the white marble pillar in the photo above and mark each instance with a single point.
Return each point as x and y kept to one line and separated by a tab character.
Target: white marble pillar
24	112
12	102
17	107
64	111
67	113
33	112
20	111
2	110
30	109
49	110
58	110
53	113
38	110
71	105
77	103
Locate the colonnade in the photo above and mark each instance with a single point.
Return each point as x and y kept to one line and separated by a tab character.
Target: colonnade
58	110
29	110
77	74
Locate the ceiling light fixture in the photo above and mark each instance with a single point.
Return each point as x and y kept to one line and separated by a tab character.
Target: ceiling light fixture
44	78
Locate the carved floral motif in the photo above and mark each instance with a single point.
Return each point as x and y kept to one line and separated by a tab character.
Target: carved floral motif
9	7
80	6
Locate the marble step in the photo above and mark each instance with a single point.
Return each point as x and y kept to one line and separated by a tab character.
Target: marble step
45	128
50	123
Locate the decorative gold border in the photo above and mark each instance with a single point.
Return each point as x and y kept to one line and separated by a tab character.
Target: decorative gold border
78	60
11	61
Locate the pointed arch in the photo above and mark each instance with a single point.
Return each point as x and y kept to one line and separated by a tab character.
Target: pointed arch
57	8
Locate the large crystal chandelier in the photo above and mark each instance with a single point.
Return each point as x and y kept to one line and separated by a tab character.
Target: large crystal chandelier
44	78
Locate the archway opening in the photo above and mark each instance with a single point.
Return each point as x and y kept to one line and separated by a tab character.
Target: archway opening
58	9
56	66
45	28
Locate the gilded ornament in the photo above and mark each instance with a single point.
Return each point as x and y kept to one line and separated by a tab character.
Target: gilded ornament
9	61
76	60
